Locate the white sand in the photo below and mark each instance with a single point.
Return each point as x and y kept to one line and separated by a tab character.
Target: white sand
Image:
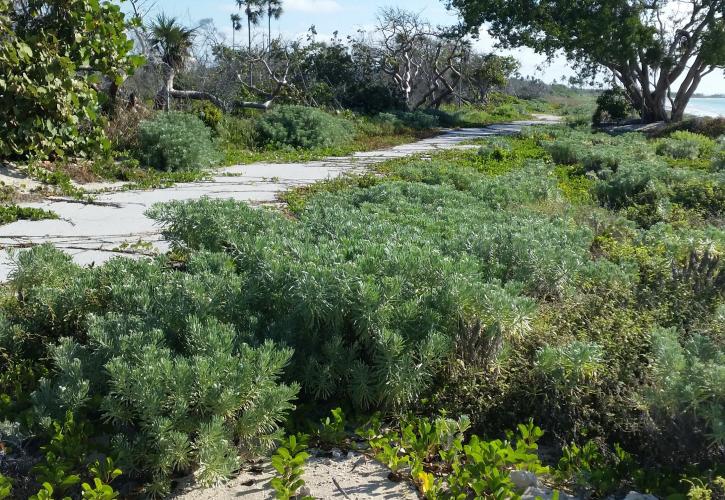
357	477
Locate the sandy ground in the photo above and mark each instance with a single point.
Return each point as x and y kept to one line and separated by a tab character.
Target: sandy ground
357	477
109	227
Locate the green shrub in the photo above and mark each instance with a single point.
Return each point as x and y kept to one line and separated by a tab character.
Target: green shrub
689	383
179	390
208	113
718	159
12	213
612	105
49	104
444	118
496	150
302	127
418	120
686	145
176	141
237	132
564	152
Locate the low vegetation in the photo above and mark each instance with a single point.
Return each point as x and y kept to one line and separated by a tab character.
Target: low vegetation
12	213
566	279
562	275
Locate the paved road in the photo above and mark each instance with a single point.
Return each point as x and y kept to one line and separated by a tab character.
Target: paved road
94	233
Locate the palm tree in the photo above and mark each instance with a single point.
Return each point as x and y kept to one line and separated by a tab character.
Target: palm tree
253	11
274	10
236	25
172	43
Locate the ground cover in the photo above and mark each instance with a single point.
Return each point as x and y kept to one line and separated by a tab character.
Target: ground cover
569	277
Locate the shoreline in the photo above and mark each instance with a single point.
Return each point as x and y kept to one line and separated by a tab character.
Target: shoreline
699	112
702	113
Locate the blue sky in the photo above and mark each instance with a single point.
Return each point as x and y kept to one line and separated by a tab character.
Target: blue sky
347	16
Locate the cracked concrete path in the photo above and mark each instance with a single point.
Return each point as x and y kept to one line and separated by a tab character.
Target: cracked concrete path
116	225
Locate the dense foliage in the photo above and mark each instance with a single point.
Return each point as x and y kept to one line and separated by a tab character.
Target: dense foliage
612	106
562	275
53	57
173	393
301	127
656	54
176	141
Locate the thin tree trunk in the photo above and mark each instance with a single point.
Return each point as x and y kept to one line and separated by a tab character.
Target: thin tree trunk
249	54
163	96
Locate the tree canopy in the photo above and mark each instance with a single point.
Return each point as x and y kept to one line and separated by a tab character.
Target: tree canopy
657	50
55	57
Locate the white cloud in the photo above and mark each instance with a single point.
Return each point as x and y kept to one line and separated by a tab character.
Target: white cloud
316	6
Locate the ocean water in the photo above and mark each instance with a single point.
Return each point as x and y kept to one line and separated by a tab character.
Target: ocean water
706	106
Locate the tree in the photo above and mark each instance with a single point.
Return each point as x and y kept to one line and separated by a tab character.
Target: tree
236	26
657	50
485	72
59	60
171	44
253	12
424	62
274	10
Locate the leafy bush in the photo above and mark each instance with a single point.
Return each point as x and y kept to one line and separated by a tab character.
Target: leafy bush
496	150
443	464
564	152
180	390
12	213
302	127
372	97
50	107
688	383
612	105
686	145
444	118
176	141
418	120
208	113
288	461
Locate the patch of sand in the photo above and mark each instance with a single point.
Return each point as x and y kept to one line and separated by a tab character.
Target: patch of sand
357	476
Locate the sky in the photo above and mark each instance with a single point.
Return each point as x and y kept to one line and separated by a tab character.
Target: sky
349	16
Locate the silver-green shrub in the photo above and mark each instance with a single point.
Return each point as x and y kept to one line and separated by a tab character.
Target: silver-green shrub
686	145
176	141
718	159
688	382
301	127
162	358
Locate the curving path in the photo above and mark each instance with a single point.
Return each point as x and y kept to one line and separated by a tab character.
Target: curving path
115	223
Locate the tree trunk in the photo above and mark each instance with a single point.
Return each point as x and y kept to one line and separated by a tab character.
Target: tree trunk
163	96
198	95
249	54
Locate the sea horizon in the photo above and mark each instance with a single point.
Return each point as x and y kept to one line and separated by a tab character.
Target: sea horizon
706	106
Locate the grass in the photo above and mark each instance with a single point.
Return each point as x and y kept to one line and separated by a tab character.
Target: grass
237	156
138	177
12	213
